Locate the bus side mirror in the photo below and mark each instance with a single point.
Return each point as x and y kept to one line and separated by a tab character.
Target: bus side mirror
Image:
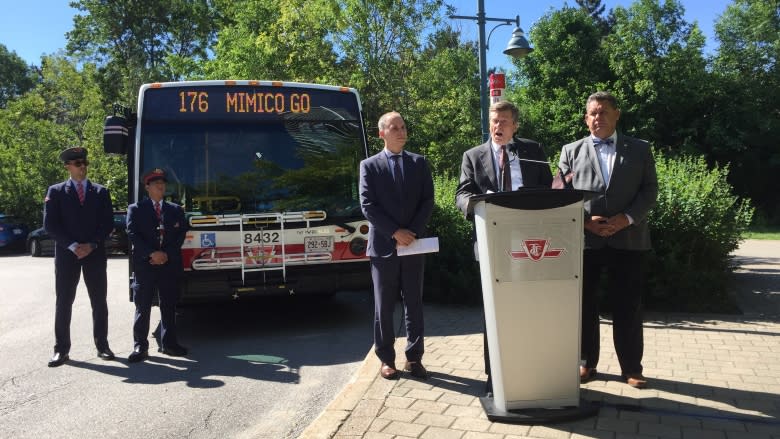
116	138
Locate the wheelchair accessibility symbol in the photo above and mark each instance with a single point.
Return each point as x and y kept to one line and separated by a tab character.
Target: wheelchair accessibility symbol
208	240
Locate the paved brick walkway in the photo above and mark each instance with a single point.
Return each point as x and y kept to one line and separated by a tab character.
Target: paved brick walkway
712	376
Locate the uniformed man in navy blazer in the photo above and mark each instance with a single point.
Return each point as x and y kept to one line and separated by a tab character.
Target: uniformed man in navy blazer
79	217
396	196
157	229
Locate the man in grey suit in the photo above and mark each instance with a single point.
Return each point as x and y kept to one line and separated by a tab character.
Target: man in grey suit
503	163
621	170
396	196
482	170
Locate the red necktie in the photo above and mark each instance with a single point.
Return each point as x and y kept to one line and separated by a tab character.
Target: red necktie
157	209
505	169
80	190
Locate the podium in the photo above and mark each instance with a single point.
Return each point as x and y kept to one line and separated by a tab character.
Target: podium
530	244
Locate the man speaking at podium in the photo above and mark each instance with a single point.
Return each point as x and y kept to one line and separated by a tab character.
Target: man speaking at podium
503	163
621	170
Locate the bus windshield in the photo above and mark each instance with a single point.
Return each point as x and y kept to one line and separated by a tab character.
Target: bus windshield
245	157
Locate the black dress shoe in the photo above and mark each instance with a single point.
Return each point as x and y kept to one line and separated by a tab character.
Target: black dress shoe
137	355
58	359
105	354
174	350
416	369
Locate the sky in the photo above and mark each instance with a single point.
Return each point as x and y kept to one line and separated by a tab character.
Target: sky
33	28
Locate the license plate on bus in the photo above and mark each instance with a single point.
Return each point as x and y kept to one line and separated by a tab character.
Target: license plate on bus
314	244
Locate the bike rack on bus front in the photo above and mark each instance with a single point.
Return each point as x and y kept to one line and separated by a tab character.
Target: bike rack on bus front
215	263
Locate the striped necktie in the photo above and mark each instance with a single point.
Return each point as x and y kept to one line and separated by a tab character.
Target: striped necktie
80	191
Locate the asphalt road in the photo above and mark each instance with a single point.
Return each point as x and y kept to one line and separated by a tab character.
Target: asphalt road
255	370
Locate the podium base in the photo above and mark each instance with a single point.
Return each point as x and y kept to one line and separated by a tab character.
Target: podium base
538	415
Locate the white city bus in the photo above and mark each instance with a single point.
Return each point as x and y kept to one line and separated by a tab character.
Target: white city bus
267	173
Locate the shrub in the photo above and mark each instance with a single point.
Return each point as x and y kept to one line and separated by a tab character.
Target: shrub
696	224
451	275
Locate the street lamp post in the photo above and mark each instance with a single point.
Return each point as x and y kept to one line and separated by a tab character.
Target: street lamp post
518	47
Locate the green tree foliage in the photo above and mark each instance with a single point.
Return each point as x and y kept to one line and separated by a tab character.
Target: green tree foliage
272	40
445	82
566	66
659	71
697	223
140	41
63	110
15	76
451	275
380	43
745	115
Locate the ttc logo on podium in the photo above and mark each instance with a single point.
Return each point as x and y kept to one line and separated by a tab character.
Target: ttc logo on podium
536	250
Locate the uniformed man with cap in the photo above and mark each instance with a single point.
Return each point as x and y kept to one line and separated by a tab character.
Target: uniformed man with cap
78	216
156	228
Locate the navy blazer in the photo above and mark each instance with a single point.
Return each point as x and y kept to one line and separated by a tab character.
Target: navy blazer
382	206
632	189
67	221
478	174
144	234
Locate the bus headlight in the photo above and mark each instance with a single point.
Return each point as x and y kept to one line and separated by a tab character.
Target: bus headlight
357	246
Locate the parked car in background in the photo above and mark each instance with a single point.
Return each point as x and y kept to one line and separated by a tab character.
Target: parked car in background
39	243
12	233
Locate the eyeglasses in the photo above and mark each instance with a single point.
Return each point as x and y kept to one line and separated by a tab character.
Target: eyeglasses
79	163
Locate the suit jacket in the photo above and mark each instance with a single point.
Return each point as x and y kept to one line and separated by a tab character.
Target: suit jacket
632	189
143	232
478	174
382	206
67	221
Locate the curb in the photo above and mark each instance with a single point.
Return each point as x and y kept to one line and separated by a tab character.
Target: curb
327	424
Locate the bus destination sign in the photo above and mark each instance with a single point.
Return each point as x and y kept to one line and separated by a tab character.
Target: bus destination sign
191	101
236	102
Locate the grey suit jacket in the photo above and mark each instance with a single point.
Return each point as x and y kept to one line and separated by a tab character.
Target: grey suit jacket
478	174
632	189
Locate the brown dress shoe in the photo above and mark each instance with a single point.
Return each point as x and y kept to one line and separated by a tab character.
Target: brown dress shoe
636	380
416	369
388	371
587	374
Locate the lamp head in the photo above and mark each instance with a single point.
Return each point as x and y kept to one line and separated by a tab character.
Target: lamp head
518	46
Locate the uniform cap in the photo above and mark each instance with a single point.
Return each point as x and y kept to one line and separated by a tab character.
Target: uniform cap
155	174
74	153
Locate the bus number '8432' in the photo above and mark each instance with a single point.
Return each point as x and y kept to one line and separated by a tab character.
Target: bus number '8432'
261	238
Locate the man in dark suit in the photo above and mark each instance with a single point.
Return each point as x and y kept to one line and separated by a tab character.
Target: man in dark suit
396	196
503	163
621	170
157	229
78	215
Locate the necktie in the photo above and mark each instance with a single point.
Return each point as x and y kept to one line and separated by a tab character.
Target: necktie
505	170
80	191
157	209
598	142
397	173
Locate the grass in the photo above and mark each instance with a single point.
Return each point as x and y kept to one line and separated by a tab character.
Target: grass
763	232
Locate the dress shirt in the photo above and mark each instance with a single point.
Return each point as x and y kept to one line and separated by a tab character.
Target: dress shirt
390	162
606	154
72	246
514	165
